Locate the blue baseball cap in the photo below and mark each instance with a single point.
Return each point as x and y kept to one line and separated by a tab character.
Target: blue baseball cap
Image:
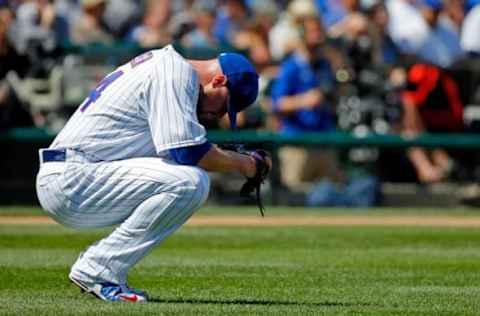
435	5
242	83
469	4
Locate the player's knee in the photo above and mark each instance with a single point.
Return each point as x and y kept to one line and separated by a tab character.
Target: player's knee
198	184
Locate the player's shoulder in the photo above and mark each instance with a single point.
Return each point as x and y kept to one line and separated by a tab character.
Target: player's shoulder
172	67
164	51
169	52
170	57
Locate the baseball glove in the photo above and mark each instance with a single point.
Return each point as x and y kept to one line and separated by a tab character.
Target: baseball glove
254	183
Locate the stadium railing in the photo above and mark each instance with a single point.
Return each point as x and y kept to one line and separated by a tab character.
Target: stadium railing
271	139
24	143
130	50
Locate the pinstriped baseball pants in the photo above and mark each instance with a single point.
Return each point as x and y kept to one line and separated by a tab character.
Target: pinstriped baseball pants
149	197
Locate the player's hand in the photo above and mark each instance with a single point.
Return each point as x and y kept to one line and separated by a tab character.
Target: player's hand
268	161
263	164
250	169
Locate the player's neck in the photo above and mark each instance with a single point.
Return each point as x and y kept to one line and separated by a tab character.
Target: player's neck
206	69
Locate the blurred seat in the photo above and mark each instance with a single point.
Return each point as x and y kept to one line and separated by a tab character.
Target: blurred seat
81	76
40	94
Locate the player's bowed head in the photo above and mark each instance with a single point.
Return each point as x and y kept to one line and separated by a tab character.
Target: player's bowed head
228	84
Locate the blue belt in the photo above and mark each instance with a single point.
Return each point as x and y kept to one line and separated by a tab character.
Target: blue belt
50	155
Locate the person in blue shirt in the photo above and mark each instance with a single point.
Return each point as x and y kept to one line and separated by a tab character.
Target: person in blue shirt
442	45
299	96
331	11
299	91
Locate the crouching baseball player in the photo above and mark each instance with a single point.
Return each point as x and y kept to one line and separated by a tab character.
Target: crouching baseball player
135	153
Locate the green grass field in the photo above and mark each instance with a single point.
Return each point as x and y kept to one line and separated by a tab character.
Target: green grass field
241	270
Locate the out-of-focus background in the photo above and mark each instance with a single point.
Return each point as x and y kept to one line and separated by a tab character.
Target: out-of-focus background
362	102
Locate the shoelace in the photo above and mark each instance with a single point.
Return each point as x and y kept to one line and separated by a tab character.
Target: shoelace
111	290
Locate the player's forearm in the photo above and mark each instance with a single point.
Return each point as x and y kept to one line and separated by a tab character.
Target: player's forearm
219	160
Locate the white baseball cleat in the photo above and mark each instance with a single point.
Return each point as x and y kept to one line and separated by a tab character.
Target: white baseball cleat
111	292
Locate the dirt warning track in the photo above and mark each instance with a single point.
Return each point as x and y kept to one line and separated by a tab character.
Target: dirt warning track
300	220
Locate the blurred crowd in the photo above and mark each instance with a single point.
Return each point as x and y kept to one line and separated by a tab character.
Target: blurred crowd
364	66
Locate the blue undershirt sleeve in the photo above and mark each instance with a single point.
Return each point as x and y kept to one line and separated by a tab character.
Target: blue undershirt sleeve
190	155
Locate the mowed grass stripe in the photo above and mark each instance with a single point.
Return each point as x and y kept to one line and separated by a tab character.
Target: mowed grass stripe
263	270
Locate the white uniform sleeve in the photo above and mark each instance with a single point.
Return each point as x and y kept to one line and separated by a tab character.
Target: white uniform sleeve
172	97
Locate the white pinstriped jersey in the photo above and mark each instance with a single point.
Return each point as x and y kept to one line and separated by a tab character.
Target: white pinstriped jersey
142	109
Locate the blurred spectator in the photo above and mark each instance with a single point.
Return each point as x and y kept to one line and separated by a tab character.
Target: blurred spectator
407	36
202	35
6	16
453	15
38	30
350	29
470	33
153	31
11	111
231	18
432	103
254	39
384	51
69	10
265	13
90	27
263	18
121	15
300	99
10	59
331	11
284	36
369	98
183	16
352	38
305	77
442	44
450	24
351	25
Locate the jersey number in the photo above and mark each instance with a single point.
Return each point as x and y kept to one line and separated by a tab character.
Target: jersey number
97	92
141	59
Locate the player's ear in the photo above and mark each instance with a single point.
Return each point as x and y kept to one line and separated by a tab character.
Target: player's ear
219	81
